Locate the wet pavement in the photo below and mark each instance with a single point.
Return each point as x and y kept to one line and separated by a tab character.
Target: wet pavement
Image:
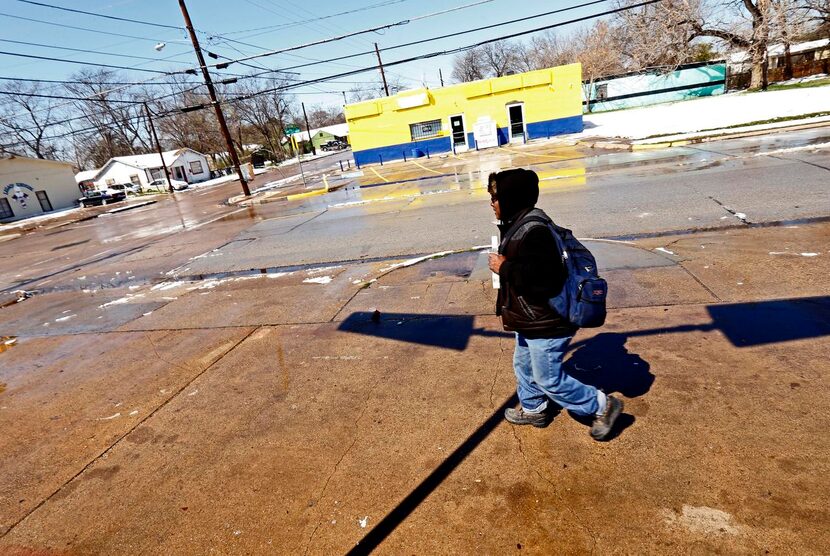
292	378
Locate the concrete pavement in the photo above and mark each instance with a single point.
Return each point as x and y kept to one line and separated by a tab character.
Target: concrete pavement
270	413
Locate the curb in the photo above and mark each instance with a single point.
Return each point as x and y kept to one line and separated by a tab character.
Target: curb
243	202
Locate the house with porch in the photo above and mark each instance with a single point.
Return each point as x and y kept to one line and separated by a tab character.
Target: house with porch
184	164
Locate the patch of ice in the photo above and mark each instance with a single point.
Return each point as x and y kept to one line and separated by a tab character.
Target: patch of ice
740	215
417	260
110	418
323	269
318	280
121	300
809	254
62	319
644	214
164	286
363	522
278	274
664	250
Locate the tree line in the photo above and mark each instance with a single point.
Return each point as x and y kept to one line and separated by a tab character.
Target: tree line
661	35
91	117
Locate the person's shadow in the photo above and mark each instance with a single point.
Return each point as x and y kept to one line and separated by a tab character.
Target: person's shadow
603	361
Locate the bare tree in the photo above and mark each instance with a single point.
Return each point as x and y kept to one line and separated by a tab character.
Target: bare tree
818	13
264	114
112	112
501	58
321	116
546	51
468	66
493	59
655	36
369	91
25	119
739	24
789	22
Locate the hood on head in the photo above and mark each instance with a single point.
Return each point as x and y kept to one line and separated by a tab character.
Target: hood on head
516	190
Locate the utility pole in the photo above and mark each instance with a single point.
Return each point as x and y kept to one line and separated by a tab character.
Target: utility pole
380	67
158	148
308	131
219	115
441	77
344	98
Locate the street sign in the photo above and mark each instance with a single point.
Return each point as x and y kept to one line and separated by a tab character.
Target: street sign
292	129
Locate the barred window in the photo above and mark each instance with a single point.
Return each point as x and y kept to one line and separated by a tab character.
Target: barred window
425	130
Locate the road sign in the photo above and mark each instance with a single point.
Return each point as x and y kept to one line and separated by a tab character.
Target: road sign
292	129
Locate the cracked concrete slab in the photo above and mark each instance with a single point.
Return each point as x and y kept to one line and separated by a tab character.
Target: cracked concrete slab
303	433
67	398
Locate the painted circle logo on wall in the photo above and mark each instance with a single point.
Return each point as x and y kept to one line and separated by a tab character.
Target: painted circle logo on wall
19	194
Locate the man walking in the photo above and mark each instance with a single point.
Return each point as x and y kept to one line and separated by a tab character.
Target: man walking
531	271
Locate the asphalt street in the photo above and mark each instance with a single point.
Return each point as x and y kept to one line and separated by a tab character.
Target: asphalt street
598	194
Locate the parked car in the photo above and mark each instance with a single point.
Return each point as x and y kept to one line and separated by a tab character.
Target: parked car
128	188
334	145
94	198
161	184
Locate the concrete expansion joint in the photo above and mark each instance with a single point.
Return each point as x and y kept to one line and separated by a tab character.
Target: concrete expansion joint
104	453
316	501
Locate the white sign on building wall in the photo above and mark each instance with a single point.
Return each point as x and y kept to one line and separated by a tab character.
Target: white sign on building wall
485	133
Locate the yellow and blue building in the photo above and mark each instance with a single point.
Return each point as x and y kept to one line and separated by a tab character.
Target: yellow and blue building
467	116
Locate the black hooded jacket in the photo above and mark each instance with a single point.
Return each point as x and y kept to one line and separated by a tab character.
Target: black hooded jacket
533	270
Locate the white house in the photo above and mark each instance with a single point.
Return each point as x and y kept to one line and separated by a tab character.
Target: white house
184	165
33	186
812	51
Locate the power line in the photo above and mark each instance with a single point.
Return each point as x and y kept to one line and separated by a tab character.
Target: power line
83	63
369	30
450	35
137	21
454	50
58	81
85	51
402	61
61	97
65	26
295	23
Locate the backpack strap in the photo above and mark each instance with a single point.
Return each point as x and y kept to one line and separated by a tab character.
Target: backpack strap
527	222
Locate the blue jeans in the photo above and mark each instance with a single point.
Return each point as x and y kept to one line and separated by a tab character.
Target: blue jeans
539	377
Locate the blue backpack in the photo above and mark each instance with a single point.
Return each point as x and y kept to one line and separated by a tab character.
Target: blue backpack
582	299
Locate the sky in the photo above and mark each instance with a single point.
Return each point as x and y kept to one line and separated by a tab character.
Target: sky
224	24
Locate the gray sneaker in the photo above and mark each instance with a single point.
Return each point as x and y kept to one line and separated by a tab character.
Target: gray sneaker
518	416
604	423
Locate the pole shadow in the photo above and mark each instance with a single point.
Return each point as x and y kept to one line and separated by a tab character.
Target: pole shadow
394	518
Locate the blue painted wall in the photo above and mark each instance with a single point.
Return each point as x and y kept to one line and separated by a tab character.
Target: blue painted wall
416	149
